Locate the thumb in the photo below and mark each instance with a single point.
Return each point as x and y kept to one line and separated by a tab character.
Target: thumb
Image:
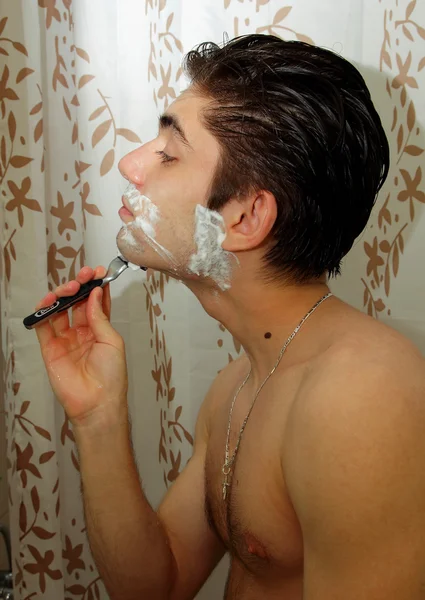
98	321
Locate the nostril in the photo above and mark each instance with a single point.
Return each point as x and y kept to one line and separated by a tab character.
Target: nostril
131	169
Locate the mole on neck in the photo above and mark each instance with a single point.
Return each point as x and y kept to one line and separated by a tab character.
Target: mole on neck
268	335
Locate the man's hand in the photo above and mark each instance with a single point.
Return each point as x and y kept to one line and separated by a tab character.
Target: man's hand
85	359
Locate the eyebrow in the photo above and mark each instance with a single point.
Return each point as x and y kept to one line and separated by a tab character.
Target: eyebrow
168	120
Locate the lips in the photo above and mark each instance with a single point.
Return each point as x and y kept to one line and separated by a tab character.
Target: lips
123	212
125	205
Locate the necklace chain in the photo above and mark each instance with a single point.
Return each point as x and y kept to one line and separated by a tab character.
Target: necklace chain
229	461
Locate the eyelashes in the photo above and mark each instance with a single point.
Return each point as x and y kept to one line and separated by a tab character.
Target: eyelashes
165	158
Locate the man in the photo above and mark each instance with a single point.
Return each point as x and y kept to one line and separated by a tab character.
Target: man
309	455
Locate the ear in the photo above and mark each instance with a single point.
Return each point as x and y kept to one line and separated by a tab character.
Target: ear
248	221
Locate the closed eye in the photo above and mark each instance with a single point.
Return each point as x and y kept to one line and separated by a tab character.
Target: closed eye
165	158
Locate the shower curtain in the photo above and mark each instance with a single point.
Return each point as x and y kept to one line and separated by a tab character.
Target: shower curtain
81	84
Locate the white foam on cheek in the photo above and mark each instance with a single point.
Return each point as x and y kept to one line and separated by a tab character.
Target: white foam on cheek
210	260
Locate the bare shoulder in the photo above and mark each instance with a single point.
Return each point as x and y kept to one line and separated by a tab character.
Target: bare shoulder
361	347
368	350
370	372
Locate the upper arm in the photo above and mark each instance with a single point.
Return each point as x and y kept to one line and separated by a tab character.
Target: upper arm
355	470
195	546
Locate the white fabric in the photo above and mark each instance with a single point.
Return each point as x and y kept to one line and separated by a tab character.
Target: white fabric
118	37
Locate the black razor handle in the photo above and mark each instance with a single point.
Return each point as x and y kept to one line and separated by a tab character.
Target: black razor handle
61	304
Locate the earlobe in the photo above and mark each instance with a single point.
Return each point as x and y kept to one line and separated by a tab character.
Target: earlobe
249	221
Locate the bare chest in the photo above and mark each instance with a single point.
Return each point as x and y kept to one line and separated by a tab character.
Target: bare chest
256	521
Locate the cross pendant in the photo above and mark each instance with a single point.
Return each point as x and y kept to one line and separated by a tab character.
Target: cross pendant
226	472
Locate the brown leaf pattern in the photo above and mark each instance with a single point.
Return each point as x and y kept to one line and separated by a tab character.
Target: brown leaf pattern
101	130
164	73
31	448
11	159
280	25
171	425
166	50
406	184
92	134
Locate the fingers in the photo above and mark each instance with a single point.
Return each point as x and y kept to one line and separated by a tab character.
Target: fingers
98	320
48	299
106	301
79	311
85	274
79	318
59	323
99	272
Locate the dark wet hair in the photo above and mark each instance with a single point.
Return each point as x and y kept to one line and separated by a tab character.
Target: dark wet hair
298	121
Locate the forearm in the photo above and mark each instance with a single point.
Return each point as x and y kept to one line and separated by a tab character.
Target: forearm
129	544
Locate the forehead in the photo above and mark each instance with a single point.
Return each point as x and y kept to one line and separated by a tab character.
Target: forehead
188	109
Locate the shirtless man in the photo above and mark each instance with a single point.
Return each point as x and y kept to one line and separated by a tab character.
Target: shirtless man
325	499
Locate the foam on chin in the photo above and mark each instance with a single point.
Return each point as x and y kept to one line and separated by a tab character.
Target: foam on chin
127	235
146	219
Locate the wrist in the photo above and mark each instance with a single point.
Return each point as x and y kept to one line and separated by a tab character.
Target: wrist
105	451
102	423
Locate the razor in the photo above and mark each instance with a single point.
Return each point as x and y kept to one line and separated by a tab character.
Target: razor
116	267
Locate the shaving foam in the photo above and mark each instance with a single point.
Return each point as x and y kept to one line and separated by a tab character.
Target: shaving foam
133	267
148	213
146	227
127	236
146	219
210	260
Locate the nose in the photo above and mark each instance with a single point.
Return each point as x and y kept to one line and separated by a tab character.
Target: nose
132	167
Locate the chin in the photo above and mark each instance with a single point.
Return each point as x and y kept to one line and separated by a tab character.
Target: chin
128	246
126	242
135	252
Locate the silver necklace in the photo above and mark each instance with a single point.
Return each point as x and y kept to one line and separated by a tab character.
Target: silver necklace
229	461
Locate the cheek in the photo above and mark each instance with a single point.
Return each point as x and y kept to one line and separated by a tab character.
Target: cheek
210	260
166	219
176	229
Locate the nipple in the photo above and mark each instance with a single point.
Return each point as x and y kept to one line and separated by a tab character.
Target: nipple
254	546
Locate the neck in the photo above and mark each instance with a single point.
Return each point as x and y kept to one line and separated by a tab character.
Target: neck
262	316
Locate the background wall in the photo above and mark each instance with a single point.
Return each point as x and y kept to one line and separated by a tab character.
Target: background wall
81	84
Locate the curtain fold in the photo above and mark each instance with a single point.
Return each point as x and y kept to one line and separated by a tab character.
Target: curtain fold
81	84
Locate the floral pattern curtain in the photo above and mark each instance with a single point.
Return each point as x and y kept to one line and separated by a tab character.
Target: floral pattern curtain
81	84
